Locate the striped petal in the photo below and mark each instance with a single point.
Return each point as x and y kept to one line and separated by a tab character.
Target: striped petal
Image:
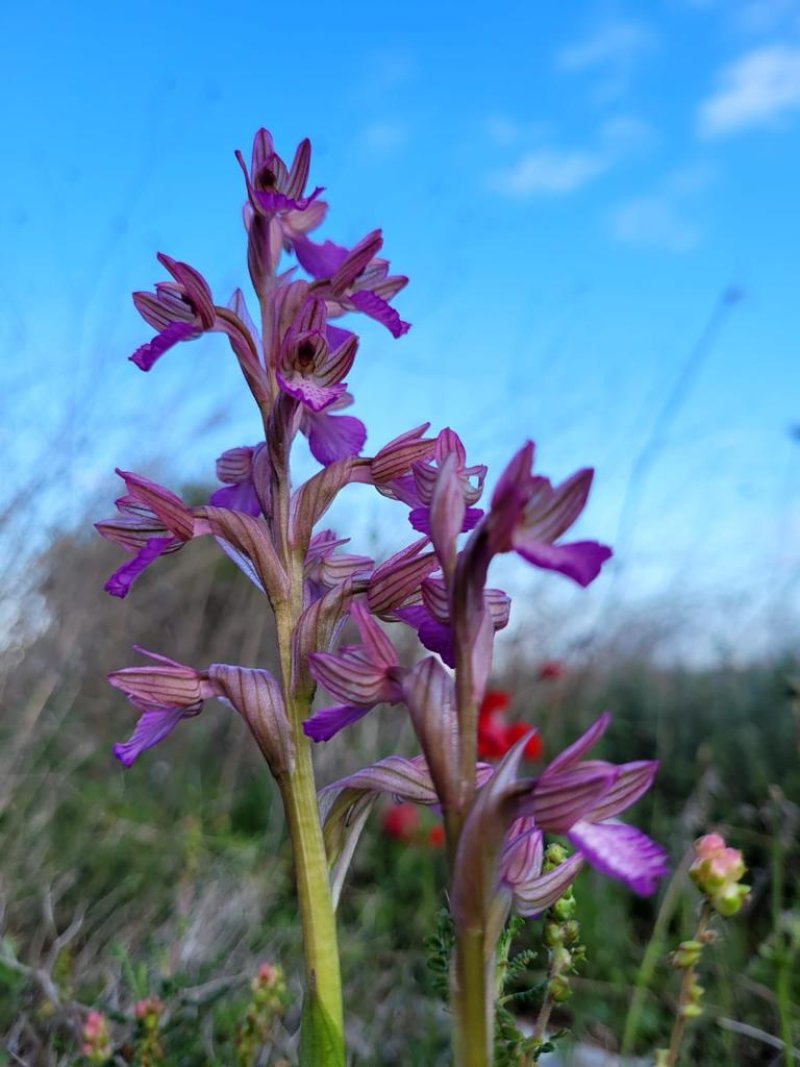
621	852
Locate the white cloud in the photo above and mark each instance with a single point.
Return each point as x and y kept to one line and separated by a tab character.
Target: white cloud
754	16
653	221
613	44
542	171
549	171
661	218
609	56
760	16
758	89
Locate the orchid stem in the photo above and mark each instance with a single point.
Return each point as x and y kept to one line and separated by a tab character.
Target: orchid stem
322	1028
471	1002
323	1013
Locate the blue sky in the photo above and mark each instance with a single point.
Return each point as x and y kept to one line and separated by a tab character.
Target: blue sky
571	189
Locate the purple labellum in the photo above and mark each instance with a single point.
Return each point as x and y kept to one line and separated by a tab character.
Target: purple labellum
621	852
120	582
325	724
148	354
152	727
332	437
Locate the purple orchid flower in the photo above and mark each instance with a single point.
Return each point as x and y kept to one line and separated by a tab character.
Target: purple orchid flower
362	676
521	881
309	357
416	486
183	310
499	859
166	692
308	369
325	568
331	436
431	618
142	531
396	458
150	507
355	280
581	799
615	849
246	483
277	211
180	310
527	516
426	474
271	187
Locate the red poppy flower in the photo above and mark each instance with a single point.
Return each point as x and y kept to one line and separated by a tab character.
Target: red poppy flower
495	735
551	670
401	822
436	836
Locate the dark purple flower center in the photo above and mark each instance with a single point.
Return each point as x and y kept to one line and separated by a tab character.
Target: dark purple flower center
266	179
306	351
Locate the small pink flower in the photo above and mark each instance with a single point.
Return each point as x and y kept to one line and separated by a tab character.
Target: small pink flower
267	975
148	1008
96	1045
717	872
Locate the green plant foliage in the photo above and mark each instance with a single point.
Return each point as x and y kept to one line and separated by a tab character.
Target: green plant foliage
174	879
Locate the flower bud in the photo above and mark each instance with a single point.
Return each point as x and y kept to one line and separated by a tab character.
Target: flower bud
691	1011
558	989
686	955
716	871
148	1009
730	899
554	856
553	935
268	986
561	958
564	908
96	1045
572	931
268	976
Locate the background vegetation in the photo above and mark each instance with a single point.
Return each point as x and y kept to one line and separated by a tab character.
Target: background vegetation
173	879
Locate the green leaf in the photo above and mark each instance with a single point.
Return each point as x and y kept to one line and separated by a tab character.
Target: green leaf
321	1043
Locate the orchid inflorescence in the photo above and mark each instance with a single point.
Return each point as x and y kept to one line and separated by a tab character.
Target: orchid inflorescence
295	363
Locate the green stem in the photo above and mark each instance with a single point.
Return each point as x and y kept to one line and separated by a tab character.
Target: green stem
784	965
543	1018
472	996
783	995
322	1037
776	865
684	999
653	953
471	1002
322	1028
